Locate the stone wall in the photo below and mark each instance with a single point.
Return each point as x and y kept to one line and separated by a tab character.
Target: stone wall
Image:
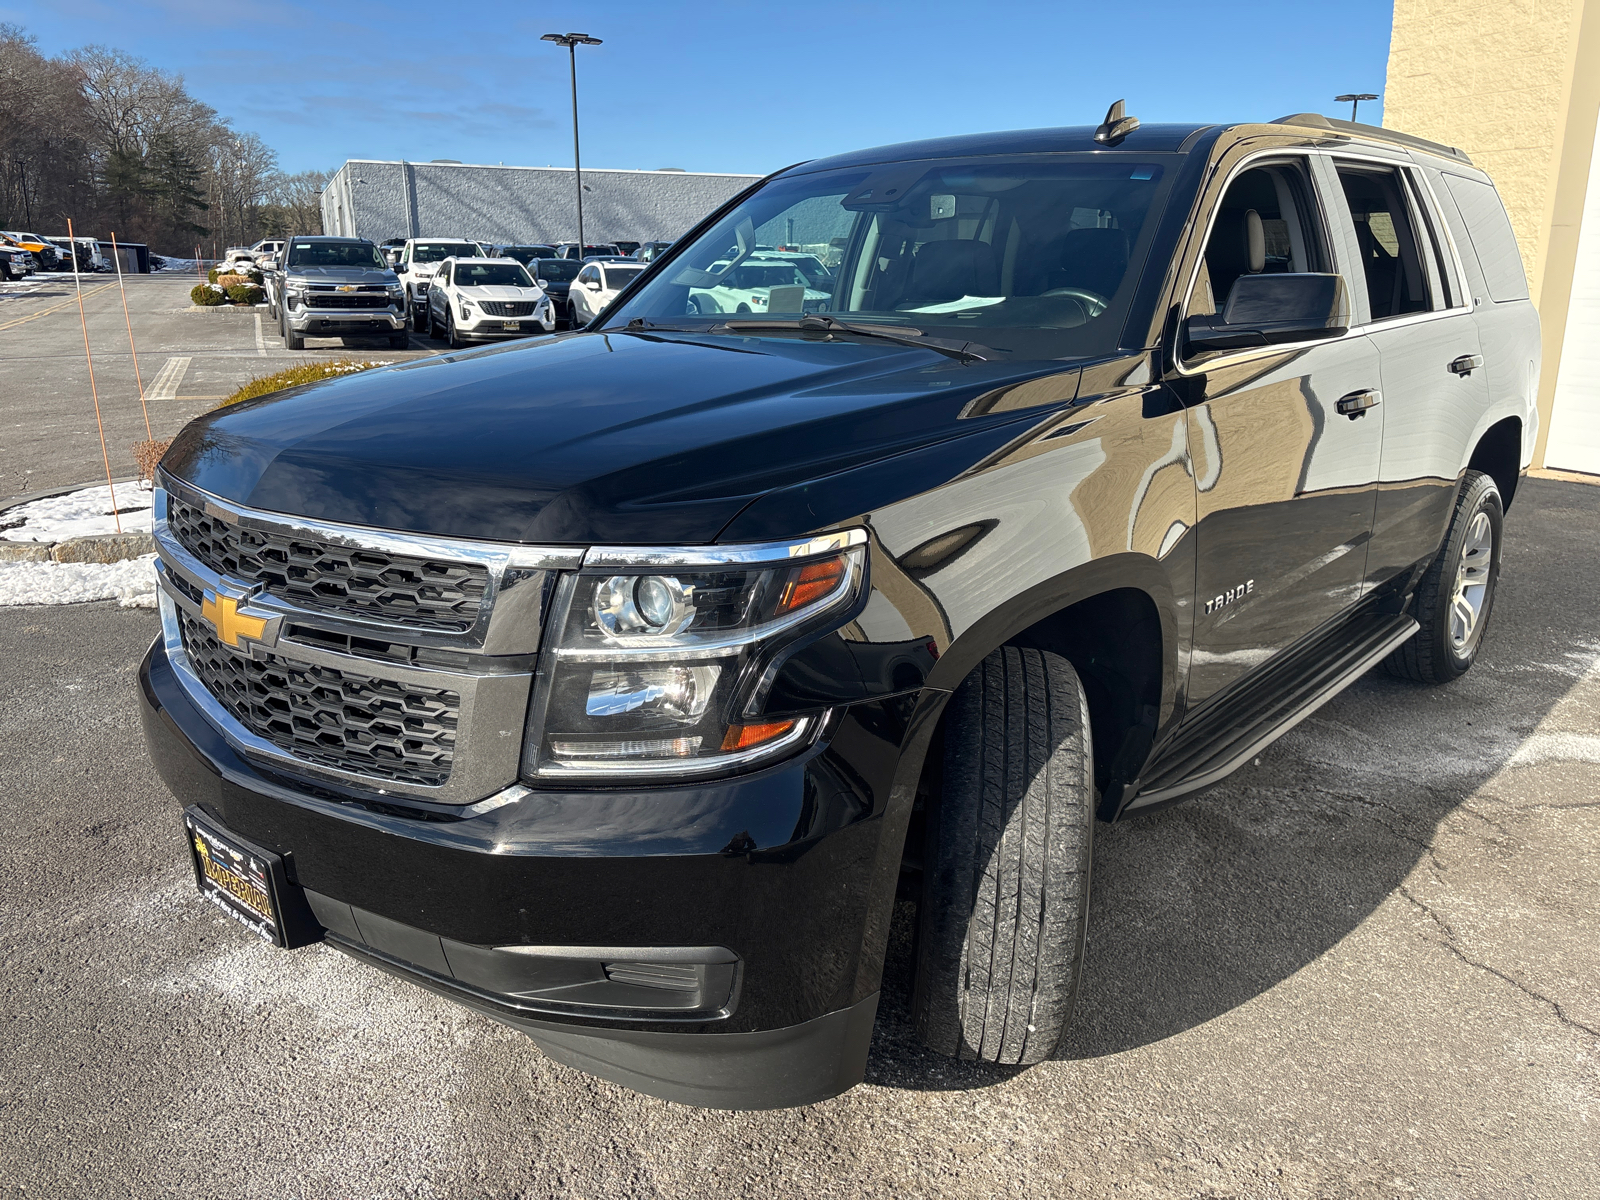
1492	77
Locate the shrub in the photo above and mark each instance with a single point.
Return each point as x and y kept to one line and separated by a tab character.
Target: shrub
295	376
246	293
255	277
229	279
204	295
147	456
211	276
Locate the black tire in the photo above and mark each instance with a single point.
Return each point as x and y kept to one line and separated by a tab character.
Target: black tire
1436	655
450	331
290	341
1005	897
421	318
398	341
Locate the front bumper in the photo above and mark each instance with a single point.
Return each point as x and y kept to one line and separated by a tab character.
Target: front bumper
339	322
785	876
488	329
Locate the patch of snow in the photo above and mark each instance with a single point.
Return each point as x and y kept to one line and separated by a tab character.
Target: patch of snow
79	514
132	583
1562	746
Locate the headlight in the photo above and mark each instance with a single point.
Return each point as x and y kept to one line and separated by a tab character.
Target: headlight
466	305
658	661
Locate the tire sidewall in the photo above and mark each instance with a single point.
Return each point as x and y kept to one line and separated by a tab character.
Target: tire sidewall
1481	495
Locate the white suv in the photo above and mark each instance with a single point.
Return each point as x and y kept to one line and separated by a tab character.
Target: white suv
482	299
597	285
419	259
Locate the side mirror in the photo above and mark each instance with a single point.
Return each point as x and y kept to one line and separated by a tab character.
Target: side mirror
1267	310
592	284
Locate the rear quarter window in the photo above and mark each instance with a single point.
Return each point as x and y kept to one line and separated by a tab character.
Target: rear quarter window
1489	230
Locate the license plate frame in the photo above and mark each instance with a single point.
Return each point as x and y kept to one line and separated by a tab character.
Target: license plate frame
511	326
246	881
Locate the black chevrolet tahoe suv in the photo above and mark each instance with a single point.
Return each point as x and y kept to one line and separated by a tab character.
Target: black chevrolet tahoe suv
615	685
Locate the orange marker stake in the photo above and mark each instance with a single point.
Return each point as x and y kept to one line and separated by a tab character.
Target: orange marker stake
132	349
93	391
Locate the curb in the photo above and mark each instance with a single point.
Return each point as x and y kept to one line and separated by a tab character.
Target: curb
225	308
94	548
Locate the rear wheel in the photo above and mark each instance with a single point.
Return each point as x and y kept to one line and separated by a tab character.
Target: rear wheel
1456	595
1005	895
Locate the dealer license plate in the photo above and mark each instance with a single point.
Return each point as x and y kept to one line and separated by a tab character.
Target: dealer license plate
243	880
513	326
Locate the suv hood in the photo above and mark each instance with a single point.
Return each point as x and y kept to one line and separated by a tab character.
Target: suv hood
368	275
590	437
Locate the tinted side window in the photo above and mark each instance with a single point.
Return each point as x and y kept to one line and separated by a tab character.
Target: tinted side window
1492	238
1266	223
1390	257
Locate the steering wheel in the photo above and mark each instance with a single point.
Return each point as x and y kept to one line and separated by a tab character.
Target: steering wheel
1094	302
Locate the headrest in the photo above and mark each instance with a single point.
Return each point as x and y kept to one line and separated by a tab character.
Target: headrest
951	270
1255	242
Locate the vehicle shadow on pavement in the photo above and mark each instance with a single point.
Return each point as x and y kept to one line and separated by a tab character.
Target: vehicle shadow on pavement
1200	908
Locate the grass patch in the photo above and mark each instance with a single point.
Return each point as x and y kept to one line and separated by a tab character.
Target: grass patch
295	376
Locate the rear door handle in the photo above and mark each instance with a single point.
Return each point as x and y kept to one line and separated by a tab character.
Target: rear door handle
1466	364
1356	403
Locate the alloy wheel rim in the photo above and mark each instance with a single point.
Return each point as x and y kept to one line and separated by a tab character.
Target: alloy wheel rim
1471	592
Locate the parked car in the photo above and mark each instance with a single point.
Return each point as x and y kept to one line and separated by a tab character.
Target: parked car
573	250
630	676
45	254
238	256
486	299
266	252
758	285
13	264
647	251
525	253
597	285
20	257
555	276
336	287
627	249
419	258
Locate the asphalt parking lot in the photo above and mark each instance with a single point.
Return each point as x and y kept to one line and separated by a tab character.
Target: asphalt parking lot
188	362
1367	965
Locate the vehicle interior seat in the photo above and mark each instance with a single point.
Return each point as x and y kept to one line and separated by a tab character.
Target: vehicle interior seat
1238	246
944	271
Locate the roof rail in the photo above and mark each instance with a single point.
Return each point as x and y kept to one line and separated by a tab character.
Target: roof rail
1377	133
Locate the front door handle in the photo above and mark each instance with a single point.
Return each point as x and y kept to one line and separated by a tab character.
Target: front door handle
1356	403
1466	364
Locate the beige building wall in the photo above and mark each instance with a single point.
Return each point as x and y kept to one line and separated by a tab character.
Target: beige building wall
1516	84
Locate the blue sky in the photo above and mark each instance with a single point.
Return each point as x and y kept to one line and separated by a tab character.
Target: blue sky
720	85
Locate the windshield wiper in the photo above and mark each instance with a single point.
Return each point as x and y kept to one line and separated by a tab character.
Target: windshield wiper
903	334
639	323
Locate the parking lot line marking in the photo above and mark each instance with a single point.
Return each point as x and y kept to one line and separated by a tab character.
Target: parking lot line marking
165	385
261	341
45	312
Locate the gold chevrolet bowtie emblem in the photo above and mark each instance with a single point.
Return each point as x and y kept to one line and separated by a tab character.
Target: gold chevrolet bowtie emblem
223	612
347	287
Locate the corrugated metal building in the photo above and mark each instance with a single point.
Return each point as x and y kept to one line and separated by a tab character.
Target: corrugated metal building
380	200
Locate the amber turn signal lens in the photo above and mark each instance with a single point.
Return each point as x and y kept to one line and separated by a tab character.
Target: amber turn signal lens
742	737
810	583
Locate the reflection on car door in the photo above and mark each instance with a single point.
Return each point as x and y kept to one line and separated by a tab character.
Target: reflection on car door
1285	483
1434	386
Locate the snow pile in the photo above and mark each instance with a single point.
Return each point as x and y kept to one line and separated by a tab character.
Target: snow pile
132	583
78	514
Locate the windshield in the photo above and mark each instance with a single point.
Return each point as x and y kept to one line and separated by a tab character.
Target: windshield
426	252
491	274
618	278
558	270
1033	257
336	254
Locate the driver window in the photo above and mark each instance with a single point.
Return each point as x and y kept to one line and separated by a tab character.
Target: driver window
1264	225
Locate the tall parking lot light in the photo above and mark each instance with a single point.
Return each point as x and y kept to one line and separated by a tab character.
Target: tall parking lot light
1354	99
572	41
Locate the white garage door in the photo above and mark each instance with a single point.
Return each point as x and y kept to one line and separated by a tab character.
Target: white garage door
1575	418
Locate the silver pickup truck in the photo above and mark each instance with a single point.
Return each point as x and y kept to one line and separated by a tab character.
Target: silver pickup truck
335	287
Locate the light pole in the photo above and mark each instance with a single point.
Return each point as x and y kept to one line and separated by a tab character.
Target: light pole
1354	99
572	41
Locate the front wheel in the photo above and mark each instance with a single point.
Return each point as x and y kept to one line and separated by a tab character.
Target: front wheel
450	334
1456	595
420	317
1006	887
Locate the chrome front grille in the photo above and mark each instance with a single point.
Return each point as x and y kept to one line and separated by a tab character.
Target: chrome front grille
323	300
380	728
375	661
317	574
507	308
